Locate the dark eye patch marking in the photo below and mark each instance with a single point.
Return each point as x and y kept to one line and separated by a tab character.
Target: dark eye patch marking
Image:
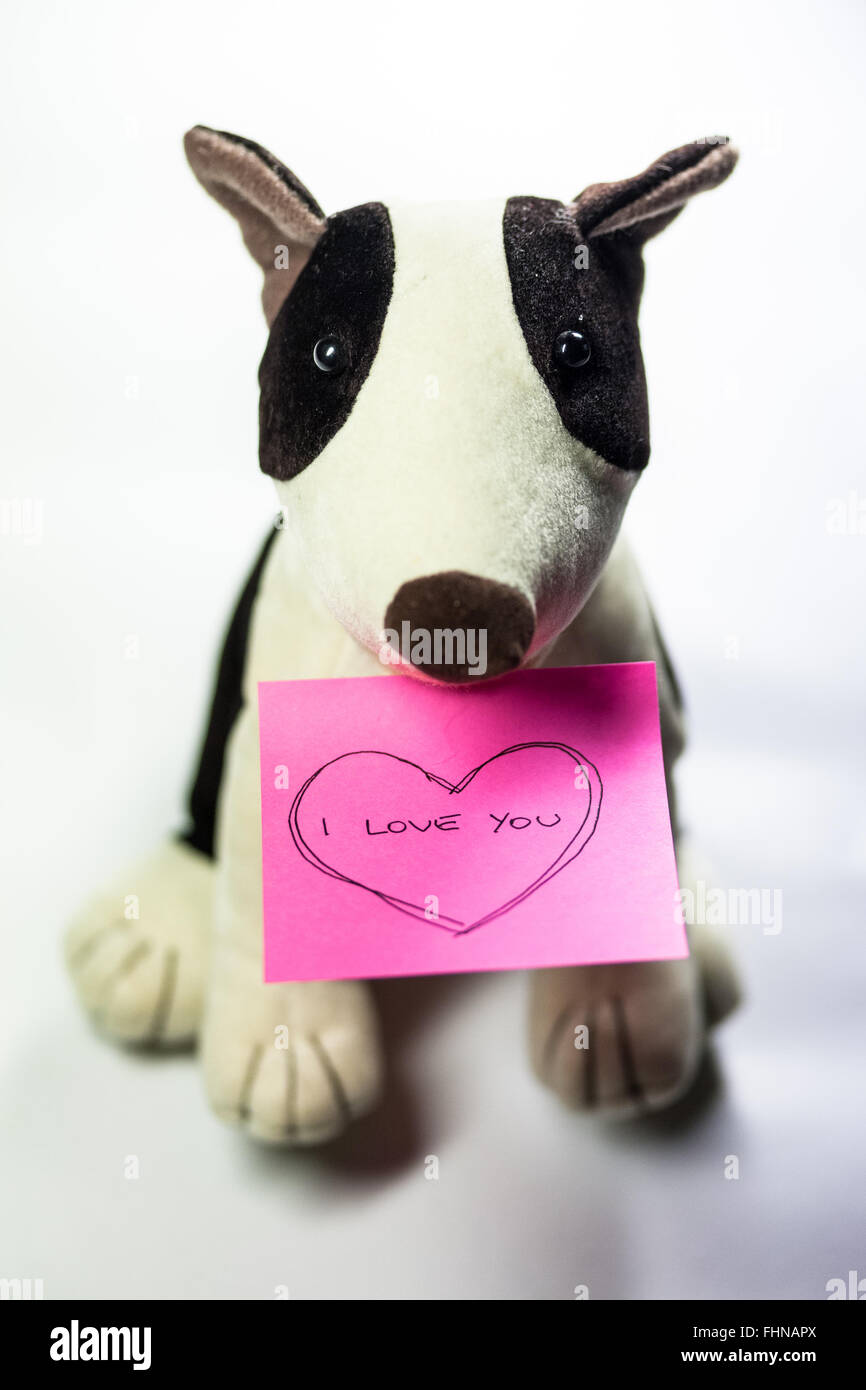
602	401
342	293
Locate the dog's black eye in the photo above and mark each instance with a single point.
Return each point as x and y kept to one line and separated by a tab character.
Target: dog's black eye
329	356
571	350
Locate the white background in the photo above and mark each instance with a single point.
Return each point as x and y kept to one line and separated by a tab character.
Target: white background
131	337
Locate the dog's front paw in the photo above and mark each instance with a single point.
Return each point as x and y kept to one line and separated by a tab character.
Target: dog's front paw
623	1038
137	952
291	1063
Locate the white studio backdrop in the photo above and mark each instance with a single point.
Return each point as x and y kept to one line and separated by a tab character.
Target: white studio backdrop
132	507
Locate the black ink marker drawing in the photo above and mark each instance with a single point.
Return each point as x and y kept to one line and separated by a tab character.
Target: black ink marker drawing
589	781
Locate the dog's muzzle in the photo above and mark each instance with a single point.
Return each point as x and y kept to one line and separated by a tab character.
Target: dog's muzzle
458	627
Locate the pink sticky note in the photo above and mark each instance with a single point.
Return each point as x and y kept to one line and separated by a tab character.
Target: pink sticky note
409	829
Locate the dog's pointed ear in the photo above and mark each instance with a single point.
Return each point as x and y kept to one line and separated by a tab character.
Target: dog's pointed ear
646	203
280	220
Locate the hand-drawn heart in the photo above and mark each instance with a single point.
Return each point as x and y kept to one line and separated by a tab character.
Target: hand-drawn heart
455	854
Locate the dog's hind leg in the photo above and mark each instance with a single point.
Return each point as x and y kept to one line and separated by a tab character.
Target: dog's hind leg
138	950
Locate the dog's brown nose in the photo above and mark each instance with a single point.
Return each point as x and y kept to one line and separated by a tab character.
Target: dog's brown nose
458	627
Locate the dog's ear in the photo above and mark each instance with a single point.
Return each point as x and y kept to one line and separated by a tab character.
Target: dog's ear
280	220
643	205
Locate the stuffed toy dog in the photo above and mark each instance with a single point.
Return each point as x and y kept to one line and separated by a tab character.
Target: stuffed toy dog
453	410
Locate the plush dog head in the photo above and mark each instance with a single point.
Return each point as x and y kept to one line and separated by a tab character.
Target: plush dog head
453	403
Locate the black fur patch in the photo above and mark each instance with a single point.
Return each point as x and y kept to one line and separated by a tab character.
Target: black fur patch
603	404
343	291
226	705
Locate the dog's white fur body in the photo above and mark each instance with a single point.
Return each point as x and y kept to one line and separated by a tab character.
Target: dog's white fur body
294	1062
453	458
